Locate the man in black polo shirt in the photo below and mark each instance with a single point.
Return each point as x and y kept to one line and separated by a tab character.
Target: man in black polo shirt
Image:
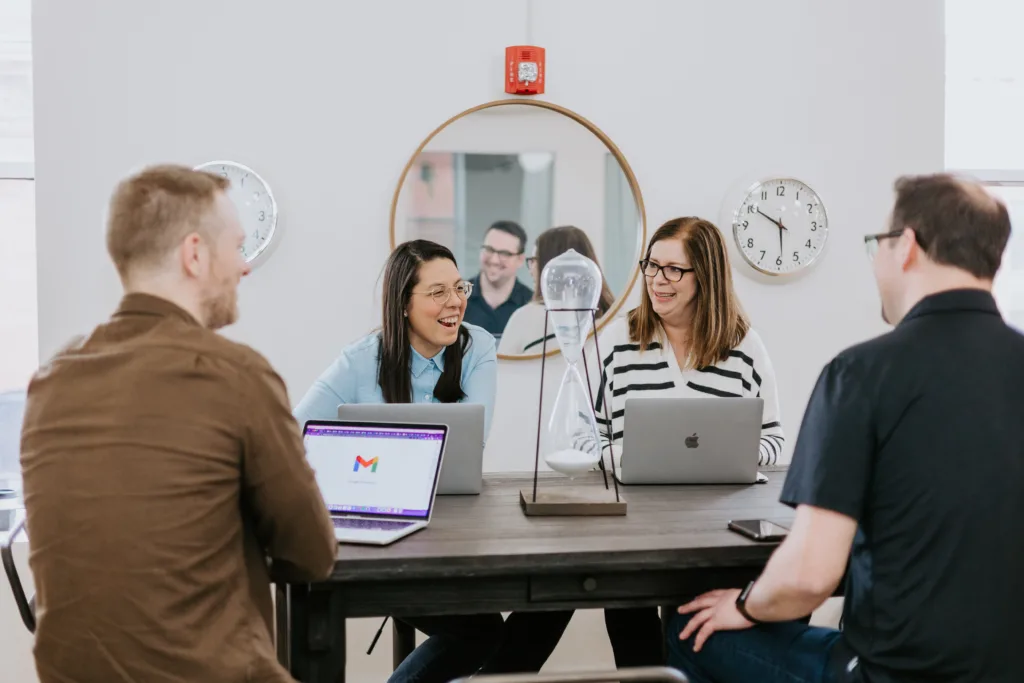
909	469
497	293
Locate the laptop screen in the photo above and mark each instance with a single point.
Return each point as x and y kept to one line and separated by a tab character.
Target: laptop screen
376	469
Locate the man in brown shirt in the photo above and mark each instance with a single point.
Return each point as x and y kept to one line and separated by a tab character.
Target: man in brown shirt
162	464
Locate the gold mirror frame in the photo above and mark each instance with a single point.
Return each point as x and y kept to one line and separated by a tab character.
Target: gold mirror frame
630	177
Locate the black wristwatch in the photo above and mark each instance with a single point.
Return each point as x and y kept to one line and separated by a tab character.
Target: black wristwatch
741	604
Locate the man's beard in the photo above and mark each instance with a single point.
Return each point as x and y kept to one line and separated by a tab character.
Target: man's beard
220	310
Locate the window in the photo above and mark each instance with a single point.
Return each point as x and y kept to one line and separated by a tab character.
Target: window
984	111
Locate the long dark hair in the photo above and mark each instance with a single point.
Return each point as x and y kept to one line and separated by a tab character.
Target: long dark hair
556	241
394	364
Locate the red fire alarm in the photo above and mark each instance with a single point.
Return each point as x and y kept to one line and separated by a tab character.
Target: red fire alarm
524	70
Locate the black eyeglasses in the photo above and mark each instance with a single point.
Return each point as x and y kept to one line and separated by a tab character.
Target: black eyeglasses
500	253
671	273
871	241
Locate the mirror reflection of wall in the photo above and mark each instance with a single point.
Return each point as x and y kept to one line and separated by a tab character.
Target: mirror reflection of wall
524	166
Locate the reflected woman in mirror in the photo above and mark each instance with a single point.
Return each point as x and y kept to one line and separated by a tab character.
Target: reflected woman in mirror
524	333
423	353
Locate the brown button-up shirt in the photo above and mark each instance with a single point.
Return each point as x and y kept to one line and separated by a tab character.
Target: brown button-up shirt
162	466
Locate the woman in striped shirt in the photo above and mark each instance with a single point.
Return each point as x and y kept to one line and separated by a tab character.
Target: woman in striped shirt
688	337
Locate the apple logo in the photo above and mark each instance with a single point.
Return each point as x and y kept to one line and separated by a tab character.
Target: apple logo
691	441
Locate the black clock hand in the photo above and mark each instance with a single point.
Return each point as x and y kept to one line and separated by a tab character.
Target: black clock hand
781	228
770	218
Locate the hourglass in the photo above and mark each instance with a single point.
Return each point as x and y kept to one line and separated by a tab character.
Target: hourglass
570	441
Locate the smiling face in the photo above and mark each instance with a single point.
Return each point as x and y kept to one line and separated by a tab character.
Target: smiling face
672	301
433	322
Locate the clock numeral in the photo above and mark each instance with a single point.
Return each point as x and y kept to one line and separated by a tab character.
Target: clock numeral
796	256
808	245
810	208
746	224
255	234
780	191
750	208
778	261
814	226
764	194
750	244
762	256
263	215
798	195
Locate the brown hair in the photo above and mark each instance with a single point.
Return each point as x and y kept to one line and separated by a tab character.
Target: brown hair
555	241
956	222
719	324
154	210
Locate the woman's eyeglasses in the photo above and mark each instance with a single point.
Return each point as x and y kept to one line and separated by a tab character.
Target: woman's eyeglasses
671	273
531	261
441	295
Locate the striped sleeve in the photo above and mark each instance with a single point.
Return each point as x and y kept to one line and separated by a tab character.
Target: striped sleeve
609	423
773	439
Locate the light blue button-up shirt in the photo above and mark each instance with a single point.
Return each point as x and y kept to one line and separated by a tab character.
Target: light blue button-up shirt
352	378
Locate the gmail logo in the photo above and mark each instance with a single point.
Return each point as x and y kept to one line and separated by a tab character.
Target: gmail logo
370	464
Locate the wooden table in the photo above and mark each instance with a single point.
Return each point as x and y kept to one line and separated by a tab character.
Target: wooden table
482	554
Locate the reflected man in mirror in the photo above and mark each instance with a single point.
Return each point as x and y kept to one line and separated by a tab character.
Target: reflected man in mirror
496	291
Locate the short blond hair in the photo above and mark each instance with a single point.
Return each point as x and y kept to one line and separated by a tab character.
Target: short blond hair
154	210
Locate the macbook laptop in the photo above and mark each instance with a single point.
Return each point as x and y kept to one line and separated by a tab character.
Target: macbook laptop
691	441
462	472
377	479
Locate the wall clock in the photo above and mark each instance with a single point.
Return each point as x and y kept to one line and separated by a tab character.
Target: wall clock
257	208
780	227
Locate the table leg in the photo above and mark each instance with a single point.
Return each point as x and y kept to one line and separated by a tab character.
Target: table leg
403	641
317	635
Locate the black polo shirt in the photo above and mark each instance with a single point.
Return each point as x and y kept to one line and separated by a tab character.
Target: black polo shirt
479	312
918	435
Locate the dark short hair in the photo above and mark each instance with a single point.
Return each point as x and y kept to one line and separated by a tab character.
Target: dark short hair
511	228
957	223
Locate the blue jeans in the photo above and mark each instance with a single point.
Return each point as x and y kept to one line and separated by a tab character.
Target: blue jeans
786	652
456	646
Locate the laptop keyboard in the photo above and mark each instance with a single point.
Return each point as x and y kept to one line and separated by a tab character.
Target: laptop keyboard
370	524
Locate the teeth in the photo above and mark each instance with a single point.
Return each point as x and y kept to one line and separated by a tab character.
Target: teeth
450	321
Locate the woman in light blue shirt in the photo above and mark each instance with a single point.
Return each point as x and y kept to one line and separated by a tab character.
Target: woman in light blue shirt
423	353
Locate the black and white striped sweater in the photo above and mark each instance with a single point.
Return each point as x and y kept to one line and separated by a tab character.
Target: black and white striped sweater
628	372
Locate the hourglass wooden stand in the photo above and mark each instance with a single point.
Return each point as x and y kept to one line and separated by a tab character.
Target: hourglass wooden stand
571	500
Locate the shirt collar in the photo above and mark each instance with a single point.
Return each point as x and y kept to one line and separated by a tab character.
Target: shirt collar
147	304
520	296
954	301
420	364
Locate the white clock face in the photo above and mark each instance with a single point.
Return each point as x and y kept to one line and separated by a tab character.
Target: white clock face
257	209
781	226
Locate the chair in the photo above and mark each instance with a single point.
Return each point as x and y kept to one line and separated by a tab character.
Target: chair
652	674
26	606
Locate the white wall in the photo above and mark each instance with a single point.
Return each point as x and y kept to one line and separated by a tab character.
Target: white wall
328	100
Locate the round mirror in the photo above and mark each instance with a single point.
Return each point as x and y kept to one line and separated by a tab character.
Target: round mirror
508	186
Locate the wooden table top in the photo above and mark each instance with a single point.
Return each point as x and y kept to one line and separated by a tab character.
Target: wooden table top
668	527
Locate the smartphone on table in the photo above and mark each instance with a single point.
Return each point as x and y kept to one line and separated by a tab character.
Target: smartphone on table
759	529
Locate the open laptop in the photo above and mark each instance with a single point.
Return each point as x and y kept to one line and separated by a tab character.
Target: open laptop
691	441
377	479
462	472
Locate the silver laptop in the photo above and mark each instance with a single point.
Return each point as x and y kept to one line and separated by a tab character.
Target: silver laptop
378	480
462	472
691	440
